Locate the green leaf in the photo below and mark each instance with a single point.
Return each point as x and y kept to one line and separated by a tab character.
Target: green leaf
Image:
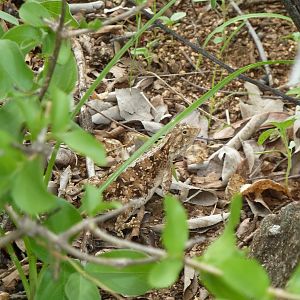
175	233
32	114
53	287
213	4
129	281
91	201
14	72
10	158
60	110
33	13
265	135
166	20
79	288
29	192
65	216
178	16
26	36
54	8
218	40
282	126
84	143
165	273
8	18
11	120
294	91
224	246
293	285
65	76
242	279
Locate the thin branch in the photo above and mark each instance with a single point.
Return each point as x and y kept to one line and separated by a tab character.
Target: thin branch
121	17
9	238
54	57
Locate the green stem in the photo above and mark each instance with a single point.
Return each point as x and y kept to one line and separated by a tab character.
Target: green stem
32	268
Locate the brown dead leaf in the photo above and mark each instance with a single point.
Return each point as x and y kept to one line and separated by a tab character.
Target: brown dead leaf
11	280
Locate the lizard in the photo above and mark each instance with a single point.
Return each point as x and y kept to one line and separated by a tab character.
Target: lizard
140	180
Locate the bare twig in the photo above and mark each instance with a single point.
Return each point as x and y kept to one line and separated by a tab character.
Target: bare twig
257	41
10	237
131	12
54	57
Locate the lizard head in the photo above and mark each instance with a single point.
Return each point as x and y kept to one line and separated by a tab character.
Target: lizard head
181	137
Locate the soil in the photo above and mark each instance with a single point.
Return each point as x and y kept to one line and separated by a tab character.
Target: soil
186	77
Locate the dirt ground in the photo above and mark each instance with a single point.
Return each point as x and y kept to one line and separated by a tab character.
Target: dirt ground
176	76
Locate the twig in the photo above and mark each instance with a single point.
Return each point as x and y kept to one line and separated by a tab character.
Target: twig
12	236
279	293
54	57
121	17
257	41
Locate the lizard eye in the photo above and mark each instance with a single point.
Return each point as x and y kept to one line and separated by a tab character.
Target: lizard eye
184	131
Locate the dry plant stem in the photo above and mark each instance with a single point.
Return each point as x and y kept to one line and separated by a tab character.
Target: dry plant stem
11	237
54	57
85	118
86	7
282	294
35	230
121	17
257	41
211	57
184	99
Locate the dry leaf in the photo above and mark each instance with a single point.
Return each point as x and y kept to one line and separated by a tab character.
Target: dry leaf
133	105
191	283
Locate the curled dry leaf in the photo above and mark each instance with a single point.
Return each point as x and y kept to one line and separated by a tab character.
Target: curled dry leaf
112	113
196	195
11	280
262	194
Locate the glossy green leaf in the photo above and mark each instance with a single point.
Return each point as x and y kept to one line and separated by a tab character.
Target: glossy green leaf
60	110
33	13
26	36
165	273
175	233
129	281
79	288
51	287
84	143
282	126
8	18
14	72
64	216
29	192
